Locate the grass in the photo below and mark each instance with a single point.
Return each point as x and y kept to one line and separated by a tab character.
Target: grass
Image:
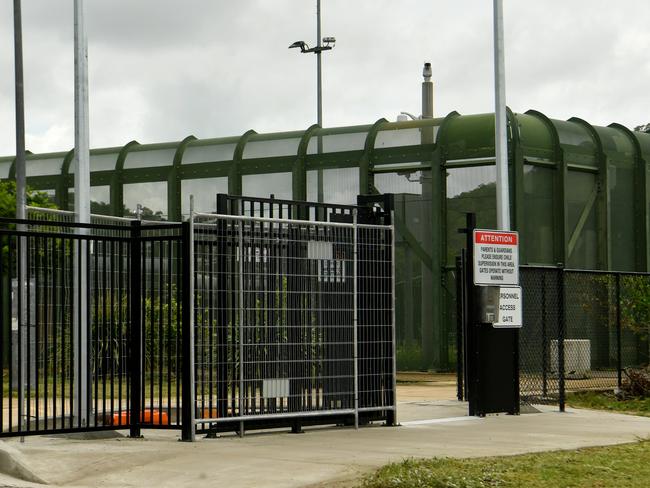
625	465
607	401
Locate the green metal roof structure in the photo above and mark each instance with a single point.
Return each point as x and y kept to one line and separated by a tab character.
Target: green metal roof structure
580	194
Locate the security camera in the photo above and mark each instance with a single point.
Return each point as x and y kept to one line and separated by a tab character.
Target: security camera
329	40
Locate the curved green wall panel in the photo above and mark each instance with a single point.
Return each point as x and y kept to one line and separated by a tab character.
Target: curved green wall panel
580	194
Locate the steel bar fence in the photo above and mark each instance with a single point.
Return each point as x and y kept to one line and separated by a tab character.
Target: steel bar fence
127	386
222	322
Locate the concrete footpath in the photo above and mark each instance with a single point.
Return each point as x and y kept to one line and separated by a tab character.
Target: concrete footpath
320	457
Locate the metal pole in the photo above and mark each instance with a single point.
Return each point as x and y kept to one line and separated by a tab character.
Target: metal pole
319	101
20	198
619	359
189	382
355	321
241	326
81	147
394	326
430	324
20	113
500	128
82	208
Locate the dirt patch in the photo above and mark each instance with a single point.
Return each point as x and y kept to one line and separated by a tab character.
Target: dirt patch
425	386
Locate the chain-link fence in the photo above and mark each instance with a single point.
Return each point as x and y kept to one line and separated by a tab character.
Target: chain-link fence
583	329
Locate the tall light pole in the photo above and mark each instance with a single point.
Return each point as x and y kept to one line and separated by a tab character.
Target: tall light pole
20	113
501	123
22	280
82	211
304	48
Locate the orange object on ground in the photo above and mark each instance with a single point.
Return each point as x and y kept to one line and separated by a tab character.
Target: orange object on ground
209	413
147	416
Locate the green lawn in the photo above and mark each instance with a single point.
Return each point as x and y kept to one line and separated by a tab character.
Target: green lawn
607	401
625	465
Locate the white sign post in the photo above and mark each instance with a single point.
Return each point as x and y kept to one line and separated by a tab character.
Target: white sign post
496	257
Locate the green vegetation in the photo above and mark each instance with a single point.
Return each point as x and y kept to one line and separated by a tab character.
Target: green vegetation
608	401
8	199
625	465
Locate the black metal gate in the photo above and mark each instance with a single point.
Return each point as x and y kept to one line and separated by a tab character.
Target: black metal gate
149	325
97	329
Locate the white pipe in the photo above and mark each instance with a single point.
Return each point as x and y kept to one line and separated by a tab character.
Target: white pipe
500	134
82	210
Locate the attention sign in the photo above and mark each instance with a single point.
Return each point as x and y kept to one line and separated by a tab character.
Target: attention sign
496	257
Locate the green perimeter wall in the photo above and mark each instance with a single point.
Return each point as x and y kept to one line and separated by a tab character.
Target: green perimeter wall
579	194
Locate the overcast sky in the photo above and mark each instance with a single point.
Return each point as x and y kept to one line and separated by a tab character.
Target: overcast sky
161	69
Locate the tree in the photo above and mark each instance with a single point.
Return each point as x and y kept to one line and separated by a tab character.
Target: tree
8	199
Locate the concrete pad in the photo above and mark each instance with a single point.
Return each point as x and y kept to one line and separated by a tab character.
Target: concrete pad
280	459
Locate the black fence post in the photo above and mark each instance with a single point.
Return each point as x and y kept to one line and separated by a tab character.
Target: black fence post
619	359
187	402
460	320
545	358
135	339
561	333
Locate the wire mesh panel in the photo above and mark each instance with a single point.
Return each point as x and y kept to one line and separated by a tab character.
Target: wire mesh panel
582	330
275	314
538	339
375	323
591	338
634	320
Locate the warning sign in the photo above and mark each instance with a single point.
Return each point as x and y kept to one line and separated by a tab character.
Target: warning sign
509	313
496	257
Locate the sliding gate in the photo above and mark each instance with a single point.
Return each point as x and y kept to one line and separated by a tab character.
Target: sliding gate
225	322
293	320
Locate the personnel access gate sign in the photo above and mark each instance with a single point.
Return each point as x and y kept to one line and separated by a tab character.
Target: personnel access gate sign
496	258
496	263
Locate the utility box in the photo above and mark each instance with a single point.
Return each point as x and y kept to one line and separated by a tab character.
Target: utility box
577	358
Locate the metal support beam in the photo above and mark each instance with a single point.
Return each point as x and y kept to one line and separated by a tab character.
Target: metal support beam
174	203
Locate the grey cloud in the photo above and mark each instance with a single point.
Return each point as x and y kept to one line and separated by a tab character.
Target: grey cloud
160	70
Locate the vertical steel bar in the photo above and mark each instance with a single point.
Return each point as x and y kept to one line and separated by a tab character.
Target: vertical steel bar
241	324
355	321
189	396
394	326
459	328
561	333
135	339
545	358
619	359
22	319
3	337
